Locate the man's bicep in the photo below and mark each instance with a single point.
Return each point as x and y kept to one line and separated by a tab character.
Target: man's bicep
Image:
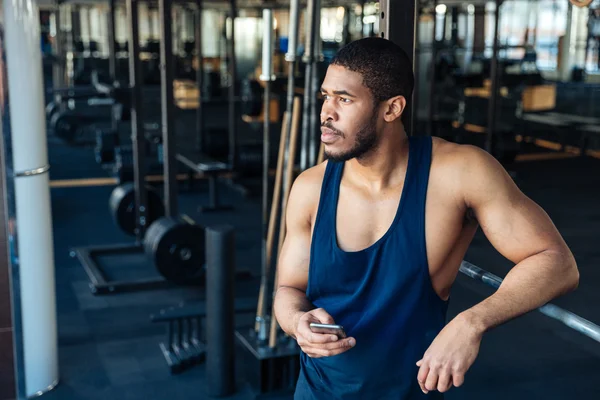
515	225
292	269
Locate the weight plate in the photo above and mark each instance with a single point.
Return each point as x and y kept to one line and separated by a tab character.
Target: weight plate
177	249
51	109
64	126
122	207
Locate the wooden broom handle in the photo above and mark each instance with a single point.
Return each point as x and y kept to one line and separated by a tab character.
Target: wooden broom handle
272	219
286	190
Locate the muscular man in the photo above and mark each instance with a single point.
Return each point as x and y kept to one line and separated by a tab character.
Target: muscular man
377	233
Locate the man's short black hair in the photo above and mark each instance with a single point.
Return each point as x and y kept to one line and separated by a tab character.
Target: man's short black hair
386	68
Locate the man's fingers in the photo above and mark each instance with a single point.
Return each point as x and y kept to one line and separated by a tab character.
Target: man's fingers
444	381
339	344
316	352
422	376
305	334
323	316
432	379
458	379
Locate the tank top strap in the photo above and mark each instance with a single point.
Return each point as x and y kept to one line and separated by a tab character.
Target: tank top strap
328	198
417	185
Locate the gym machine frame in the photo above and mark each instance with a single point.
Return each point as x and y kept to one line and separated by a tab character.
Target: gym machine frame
196	162
99	284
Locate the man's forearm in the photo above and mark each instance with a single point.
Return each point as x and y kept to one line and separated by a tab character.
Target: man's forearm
529	285
290	303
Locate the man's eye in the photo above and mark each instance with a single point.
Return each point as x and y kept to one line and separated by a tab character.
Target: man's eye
344	100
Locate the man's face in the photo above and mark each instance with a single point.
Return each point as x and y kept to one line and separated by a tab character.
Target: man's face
348	116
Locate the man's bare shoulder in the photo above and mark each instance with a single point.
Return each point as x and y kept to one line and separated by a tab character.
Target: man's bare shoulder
306	190
464	166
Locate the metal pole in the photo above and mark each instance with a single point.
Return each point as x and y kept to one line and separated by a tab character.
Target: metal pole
315	121
491	125
568	318
432	77
220	300
168	108
58	67
290	57
362	18
416	74
112	44
137	120
308	60
267	76
403	13
199	79
232	90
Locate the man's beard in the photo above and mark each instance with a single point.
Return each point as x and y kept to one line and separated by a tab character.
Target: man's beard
366	140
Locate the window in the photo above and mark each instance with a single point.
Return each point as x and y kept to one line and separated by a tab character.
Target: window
550	26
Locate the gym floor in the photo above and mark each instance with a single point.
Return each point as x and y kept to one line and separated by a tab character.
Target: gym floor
108	346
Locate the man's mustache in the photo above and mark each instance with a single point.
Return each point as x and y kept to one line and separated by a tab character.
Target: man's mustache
328	125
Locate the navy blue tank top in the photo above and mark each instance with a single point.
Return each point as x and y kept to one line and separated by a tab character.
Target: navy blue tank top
382	295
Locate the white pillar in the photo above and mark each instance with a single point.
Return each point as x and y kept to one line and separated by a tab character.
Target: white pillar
32	195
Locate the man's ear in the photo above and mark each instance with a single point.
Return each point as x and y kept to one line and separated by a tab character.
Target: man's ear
394	108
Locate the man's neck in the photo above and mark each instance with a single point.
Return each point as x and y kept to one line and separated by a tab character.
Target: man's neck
385	166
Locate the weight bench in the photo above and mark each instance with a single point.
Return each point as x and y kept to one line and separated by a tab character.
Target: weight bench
212	170
547	127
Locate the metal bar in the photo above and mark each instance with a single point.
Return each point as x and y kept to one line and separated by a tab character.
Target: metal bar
199	79
168	108
137	120
112	44
568	318
314	120
266	77
494	78
58	67
401	32
232	90
290	57
416	74
220	300
308	60
432	77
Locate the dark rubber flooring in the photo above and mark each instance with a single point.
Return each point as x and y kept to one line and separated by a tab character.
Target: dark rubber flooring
108	347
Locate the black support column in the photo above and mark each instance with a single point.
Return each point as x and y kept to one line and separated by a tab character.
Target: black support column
137	118
199	77
494	81
168	106
397	23
112	45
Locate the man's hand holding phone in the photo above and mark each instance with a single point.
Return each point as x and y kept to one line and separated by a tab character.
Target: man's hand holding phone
317	341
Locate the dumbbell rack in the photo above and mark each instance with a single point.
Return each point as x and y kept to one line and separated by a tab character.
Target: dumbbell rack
183	347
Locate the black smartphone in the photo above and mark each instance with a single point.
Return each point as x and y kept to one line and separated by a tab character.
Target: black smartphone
337	330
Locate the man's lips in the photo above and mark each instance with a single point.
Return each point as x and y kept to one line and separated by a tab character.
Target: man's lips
328	135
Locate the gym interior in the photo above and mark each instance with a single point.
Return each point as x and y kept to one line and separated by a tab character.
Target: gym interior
148	152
